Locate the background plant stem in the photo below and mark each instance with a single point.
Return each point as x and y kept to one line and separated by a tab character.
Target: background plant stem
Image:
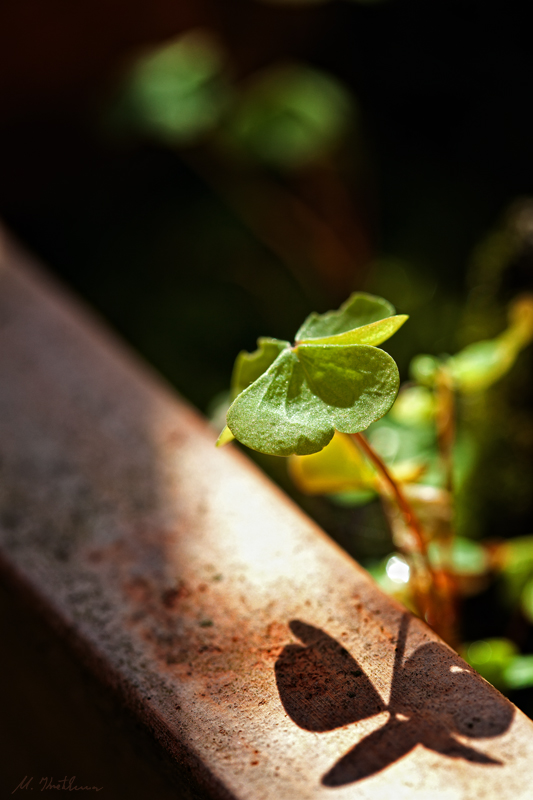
433	591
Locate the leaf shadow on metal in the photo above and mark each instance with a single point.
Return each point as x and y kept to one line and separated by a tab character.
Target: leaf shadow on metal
434	699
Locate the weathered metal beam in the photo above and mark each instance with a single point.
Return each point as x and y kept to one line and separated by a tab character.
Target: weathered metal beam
258	655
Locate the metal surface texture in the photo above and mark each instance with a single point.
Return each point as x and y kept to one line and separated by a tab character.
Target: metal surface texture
255	651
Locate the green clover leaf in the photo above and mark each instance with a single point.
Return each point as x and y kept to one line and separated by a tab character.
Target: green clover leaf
250	366
362	319
308	392
290	400
278	414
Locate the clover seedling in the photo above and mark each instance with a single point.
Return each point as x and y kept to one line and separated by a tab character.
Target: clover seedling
290	399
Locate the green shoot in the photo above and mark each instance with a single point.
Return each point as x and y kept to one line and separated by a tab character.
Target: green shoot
291	399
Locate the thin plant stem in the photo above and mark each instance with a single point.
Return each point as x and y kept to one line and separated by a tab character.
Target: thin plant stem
403	504
435	599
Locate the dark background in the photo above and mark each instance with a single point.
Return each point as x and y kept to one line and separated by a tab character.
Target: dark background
445	124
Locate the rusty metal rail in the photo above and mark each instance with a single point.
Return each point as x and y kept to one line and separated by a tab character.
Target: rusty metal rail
260	659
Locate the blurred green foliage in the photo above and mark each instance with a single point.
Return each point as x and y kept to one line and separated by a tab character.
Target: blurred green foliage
491	658
288	116
176	93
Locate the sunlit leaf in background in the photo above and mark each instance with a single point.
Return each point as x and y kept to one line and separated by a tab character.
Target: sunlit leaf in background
465	453
518	674
423	369
491	658
499	662
464	557
399	443
338	467
415	405
520	330
481	364
408	471
515	558
526	600
467	560
288	116
176	92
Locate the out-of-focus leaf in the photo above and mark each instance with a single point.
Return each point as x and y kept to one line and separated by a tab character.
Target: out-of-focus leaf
481	364
468	557
520	329
518	674
423	369
338	467
403	472
515	560
352	497
464	557
408	471
176	92
415	405
491	658
464	458
399	443
250	366
526	600
288	116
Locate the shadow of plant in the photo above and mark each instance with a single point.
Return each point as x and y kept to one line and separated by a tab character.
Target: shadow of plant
434	698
